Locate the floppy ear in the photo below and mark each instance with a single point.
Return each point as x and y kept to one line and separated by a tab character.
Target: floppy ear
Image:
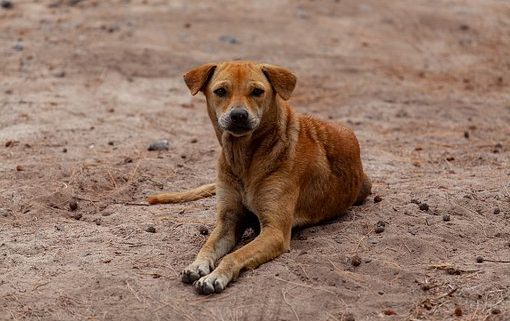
196	79
282	80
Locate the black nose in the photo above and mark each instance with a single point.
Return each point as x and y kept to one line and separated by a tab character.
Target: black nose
239	115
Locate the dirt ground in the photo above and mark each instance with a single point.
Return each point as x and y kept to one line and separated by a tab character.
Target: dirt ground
85	87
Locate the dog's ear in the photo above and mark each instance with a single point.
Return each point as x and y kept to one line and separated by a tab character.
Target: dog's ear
197	78
282	80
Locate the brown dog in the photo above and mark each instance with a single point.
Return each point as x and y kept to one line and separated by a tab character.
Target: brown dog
280	167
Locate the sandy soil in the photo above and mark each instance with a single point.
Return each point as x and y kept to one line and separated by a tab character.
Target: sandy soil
85	88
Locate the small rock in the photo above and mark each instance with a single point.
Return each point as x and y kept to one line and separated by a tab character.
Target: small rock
496	311
415	201
151	229
59	74
161	144
446	218
111	143
64	150
229	39
479	259
18	47
128	160
389	312
379	229
381	223
498	145
466	134
19	168
450	159
204	230
464	27
97	221
194	140
73	205
497	210
6	4
424	207
377	199
458	312
355	260
73	2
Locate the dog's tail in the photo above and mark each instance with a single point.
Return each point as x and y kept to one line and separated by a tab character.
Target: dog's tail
194	194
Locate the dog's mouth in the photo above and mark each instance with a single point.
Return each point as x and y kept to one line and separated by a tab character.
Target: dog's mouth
239	129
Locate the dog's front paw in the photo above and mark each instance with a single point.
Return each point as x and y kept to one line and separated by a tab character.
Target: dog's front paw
211	283
195	271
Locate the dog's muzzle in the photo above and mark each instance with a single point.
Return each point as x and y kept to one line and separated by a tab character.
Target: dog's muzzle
238	121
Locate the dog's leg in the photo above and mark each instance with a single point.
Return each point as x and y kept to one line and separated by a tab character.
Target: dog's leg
230	226
273	240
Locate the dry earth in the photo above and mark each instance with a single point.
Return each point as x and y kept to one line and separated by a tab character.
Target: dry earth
86	87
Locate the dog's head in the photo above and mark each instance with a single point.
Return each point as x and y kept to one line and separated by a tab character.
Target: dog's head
238	93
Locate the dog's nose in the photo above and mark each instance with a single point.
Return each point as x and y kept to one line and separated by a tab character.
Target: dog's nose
239	115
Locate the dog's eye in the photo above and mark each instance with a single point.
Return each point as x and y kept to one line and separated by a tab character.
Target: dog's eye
220	92
257	92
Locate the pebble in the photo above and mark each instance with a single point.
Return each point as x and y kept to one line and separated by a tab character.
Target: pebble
377	199
161	144
73	2
446	218
466	134
151	229
7	4
229	39
73	205
355	260
415	201
379	229
497	210
479	259
60	74
424	207
204	230
18	47
496	311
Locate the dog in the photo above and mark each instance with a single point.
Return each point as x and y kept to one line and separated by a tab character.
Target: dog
277	169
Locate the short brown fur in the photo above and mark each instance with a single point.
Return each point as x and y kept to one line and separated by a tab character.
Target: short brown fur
291	170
